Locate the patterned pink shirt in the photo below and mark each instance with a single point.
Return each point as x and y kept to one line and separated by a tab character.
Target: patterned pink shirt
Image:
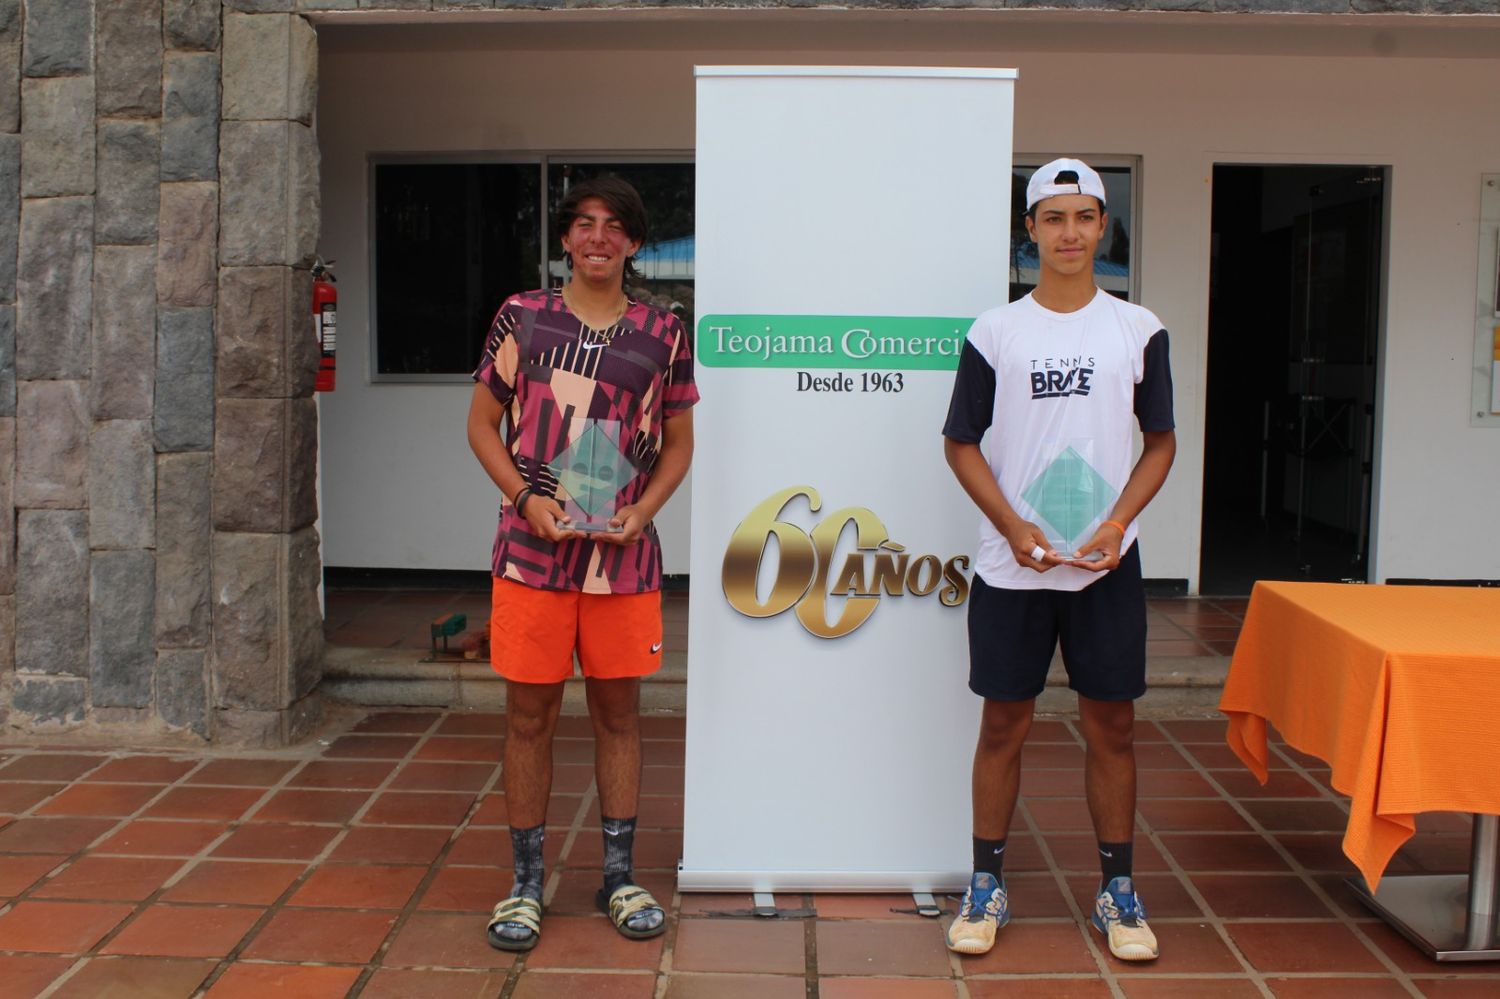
566	387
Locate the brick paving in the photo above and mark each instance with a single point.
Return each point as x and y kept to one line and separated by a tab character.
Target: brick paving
364	863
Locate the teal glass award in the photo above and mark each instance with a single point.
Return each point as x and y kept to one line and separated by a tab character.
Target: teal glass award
1070	498
591	472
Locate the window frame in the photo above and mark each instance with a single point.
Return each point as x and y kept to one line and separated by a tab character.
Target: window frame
542	160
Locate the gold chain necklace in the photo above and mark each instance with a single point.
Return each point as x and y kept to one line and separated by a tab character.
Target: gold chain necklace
619	310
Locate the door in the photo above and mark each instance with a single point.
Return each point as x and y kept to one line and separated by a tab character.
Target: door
1294	333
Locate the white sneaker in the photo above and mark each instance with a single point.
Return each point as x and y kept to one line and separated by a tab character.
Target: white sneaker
984	910
1119	915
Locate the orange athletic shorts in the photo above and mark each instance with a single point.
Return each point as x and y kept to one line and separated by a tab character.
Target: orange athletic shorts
534	633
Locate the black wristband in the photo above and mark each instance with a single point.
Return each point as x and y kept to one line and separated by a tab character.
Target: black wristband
520	500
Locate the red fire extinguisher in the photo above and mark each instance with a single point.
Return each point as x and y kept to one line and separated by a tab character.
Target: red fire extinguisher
325	306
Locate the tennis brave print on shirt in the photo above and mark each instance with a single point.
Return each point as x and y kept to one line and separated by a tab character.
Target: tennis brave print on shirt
1059	377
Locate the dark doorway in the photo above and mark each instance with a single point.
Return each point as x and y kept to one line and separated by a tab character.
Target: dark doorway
1294	332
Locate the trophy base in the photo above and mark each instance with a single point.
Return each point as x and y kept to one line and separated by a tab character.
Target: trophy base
590	528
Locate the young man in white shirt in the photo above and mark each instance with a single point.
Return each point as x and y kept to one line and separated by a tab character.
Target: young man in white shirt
1054	382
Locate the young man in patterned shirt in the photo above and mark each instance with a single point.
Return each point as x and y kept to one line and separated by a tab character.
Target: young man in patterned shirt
595	392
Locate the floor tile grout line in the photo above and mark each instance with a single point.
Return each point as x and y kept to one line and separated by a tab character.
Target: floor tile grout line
206	853
1060	880
664	964
187	864
86	850
1310	882
1209	914
311	866
434	867
1339	914
73	969
809	947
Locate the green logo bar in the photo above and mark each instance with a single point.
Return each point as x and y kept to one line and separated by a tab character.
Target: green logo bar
909	343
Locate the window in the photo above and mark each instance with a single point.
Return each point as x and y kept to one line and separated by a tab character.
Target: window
453	240
1114	269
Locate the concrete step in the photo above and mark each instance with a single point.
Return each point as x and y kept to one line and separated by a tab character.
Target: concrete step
1181	686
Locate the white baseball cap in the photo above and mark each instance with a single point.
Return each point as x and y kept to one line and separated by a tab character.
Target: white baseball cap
1064	176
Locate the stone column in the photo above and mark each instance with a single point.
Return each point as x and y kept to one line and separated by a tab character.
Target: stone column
48	244
10	218
158	209
267	631
183	372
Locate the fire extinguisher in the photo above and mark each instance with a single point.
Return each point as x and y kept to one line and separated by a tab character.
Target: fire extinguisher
325	305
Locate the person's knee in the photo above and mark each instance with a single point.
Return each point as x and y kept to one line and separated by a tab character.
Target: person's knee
1003	726
1109	726
614	706
531	711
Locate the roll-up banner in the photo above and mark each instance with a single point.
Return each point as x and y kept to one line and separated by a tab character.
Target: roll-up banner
851	222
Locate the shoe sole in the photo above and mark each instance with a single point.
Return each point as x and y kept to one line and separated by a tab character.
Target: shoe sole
513	946
971	947
1133	952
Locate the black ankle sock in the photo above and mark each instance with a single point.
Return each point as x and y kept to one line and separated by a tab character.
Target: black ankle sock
1116	860
619	849
989	857
526	848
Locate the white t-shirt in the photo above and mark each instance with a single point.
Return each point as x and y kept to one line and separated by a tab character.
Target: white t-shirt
1056	393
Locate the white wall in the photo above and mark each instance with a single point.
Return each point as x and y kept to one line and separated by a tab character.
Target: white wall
400	488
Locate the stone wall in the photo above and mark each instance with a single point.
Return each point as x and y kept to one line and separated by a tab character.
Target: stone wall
158	209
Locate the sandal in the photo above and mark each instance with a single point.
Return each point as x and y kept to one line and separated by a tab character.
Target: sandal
630	900
516	911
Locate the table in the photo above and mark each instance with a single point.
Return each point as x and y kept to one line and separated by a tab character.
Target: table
1398	689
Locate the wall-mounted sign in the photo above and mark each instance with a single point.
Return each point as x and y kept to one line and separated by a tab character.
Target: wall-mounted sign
1485	408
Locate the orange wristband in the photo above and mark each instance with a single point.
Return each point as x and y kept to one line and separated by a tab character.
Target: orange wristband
1114	523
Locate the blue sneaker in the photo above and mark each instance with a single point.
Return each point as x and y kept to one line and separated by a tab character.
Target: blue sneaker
1120	916
984	910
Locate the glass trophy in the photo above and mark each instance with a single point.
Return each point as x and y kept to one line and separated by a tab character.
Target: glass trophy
590	475
1070	498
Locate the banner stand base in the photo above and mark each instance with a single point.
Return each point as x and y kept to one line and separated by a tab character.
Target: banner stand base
770	882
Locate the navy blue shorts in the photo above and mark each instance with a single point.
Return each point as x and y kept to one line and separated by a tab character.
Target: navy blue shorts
1102	627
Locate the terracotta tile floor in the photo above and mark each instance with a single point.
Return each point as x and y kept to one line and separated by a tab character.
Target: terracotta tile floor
388	618
364	864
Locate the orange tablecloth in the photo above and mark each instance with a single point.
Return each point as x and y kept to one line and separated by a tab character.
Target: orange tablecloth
1397	687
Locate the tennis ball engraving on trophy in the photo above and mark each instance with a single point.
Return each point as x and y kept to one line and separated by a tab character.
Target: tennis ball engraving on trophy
878	567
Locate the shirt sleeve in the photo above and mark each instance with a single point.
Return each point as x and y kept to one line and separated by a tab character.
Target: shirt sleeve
501	358
1153	393
680	392
972	408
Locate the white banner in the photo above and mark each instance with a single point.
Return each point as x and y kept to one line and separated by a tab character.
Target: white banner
850	223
